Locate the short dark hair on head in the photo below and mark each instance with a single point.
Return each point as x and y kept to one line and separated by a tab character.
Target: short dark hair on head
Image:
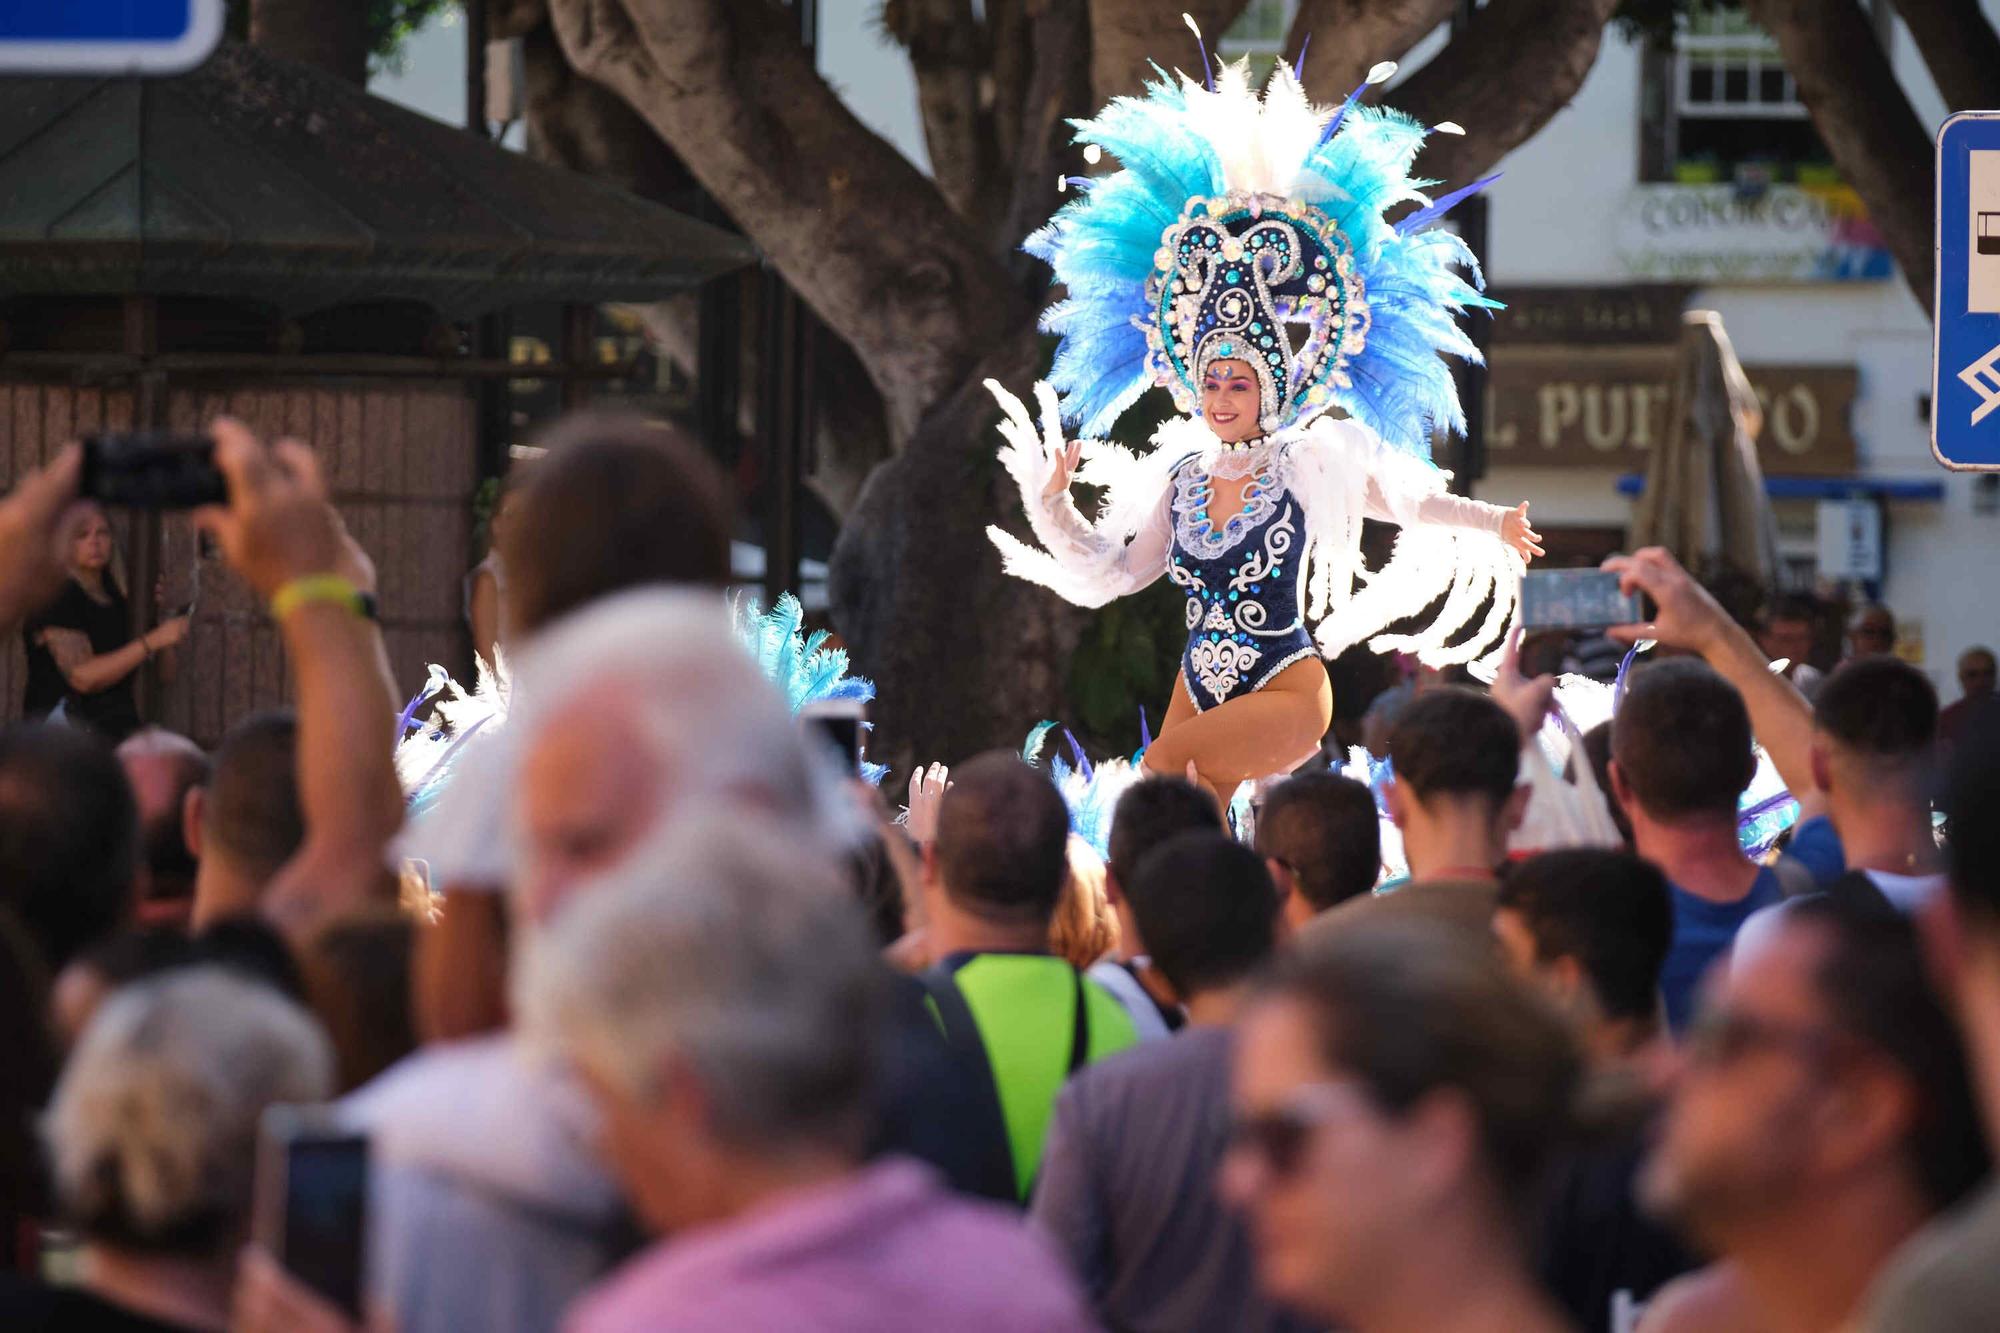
1409	1007
620	500
1003	839
1682	739
252	813
1456	741
1326	830
1151	811
1791	606
1878	708
1608	910
69	837
1877	990
1206	908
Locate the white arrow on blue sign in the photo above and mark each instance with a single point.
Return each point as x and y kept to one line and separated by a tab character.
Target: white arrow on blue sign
108	36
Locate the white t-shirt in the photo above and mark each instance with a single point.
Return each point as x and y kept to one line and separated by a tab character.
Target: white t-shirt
1907	892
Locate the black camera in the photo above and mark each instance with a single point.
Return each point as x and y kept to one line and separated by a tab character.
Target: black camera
146	470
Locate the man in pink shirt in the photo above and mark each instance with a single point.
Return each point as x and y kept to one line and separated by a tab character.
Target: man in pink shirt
719	1008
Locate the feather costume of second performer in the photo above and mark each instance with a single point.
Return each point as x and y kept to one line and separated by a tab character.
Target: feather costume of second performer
1240	258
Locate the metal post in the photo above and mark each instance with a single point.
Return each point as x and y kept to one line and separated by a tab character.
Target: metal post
475	67
784	400
579	322
149	398
780	417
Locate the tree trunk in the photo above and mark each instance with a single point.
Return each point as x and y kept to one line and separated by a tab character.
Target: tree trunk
1961	48
1846	82
1502	101
328	36
964	658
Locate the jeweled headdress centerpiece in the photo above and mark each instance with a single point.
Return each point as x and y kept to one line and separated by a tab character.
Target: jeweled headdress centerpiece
1258	279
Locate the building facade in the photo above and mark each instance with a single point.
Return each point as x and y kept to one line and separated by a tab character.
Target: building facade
1692	179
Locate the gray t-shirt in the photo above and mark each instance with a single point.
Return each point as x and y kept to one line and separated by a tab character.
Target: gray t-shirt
1946	1279
1127	1191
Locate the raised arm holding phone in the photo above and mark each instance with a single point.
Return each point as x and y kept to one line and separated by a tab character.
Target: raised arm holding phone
280	532
1687	617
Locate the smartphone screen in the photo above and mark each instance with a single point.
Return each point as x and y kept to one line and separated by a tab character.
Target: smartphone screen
840	723
1574	599
314	1206
844	733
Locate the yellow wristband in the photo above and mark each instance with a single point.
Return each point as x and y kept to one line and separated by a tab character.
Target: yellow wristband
310	588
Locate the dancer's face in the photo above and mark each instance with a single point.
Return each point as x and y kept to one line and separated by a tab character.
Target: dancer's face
1229	401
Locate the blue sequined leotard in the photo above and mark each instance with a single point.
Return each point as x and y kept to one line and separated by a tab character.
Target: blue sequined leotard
1242	584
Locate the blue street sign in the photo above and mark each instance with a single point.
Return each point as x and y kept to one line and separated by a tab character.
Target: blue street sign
107	36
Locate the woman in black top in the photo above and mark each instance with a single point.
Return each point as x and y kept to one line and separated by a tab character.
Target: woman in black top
81	652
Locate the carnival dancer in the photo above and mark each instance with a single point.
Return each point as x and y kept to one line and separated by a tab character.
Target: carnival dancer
1241	258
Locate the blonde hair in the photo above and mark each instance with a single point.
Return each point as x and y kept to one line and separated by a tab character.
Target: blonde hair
114	573
1084	927
152	1131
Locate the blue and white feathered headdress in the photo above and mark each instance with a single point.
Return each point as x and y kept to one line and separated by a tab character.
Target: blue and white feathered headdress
1254	229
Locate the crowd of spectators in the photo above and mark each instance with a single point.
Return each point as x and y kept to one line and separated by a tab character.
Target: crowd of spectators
681	1029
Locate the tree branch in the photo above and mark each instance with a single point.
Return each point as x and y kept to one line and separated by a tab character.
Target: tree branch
1503	77
1126	34
1355	34
1846	82
580	124
1055	88
855	229
945	47
1961	48
514	18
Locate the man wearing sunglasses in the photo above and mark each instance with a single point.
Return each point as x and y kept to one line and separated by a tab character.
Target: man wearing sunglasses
1823	1115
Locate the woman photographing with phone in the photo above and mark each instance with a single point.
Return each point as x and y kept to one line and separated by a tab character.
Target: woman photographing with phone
82	655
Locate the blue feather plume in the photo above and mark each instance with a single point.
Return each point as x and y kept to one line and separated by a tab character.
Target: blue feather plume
1090	791
803	668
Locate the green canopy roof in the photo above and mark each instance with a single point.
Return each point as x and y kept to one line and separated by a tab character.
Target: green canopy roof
256	179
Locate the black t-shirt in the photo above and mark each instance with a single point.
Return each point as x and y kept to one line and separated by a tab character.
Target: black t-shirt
108	626
1599	1253
27	1306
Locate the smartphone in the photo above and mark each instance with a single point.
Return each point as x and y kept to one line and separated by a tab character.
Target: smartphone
1575	599
841	722
144	470
312	1200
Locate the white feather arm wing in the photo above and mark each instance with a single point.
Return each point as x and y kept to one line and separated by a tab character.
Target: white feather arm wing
1448	547
1090	564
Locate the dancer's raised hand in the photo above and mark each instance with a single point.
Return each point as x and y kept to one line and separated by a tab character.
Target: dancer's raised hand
927	789
1518	533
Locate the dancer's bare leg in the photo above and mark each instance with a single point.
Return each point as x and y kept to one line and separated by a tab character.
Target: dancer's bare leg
1270	731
